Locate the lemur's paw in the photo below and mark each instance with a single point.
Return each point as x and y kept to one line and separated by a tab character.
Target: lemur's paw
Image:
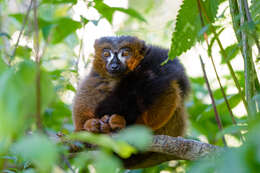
117	122
104	126
92	125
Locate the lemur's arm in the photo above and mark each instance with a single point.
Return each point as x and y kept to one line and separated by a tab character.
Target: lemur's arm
163	109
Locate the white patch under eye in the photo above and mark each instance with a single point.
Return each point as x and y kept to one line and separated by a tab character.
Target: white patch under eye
121	58
109	59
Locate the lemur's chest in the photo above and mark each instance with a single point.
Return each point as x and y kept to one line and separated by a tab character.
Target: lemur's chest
97	89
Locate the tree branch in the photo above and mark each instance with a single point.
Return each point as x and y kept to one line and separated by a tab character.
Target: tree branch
181	148
163	148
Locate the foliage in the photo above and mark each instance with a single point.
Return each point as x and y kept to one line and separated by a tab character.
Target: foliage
188	25
25	148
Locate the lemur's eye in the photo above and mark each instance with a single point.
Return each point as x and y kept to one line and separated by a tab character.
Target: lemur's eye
106	54
125	53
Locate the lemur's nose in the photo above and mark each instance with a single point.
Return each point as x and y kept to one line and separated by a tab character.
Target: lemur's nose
115	66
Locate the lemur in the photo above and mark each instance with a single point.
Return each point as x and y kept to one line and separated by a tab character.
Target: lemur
129	85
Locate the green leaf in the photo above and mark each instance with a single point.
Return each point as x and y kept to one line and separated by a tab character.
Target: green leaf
231	130
12	113
18	16
23	52
3	65
131	12
188	25
44	25
18	97
56	115
120	147
27	72
255	9
84	20
70	87
107	11
138	136
39	150
106	163
231	52
213	40
103	161
221	105
63	27
59	1
3	34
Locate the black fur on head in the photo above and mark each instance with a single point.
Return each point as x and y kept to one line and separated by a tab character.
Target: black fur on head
138	89
119	54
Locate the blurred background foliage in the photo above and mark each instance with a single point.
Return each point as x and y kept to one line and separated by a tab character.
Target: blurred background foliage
225	35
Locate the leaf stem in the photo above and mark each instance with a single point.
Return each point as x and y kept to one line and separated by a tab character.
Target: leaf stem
250	75
21	31
232	72
38	71
215	69
212	99
249	19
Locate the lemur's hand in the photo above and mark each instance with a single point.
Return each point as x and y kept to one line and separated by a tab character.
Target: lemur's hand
106	124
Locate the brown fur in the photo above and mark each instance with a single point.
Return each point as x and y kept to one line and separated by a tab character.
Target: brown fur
167	116
91	91
163	110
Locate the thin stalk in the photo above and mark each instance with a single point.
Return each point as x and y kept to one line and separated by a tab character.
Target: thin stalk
215	69
22	29
38	71
232	72
255	37
216	73
220	126
250	76
234	11
249	19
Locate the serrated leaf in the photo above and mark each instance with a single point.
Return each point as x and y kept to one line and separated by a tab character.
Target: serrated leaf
188	25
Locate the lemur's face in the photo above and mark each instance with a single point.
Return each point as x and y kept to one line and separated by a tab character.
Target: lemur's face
116	59
116	56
